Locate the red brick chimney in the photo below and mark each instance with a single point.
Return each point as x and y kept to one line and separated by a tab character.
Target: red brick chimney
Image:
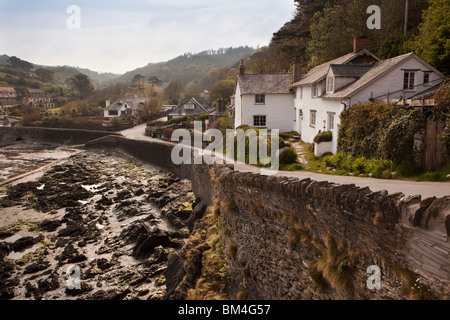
361	42
241	68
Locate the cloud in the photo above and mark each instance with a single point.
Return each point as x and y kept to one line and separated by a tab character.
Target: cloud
118	36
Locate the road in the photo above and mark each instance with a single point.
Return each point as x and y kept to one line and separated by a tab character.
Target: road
409	188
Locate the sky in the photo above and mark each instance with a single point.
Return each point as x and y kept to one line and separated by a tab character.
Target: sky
121	35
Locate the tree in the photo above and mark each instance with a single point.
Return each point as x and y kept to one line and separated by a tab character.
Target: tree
155	81
433	41
222	89
173	91
45	75
19	63
150	110
82	84
137	83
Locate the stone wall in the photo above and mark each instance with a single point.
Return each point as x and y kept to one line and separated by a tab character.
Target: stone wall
287	238
51	135
277	230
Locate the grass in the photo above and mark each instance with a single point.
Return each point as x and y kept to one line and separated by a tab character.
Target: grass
411	284
334	267
211	284
348	165
438	175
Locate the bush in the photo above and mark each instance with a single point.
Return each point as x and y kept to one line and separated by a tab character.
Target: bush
325	136
288	156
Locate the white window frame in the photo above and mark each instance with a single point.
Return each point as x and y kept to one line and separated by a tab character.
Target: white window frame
259	117
189	106
330	84
300	92
315	91
331	120
260	99
409	79
312	118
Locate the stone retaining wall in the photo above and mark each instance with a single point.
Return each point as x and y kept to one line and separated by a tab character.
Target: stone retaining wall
51	135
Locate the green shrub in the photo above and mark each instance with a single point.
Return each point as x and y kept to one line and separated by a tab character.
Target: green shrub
325	136
288	156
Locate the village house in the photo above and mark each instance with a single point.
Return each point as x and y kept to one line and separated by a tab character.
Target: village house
358	77
124	107
263	100
312	103
191	106
10	96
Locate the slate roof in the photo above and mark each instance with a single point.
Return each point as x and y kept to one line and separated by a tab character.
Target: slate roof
265	83
201	106
8	92
373	74
350	70
320	72
132	102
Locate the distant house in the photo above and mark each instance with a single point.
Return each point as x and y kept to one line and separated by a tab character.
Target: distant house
10	96
124	107
191	106
358	77
37	98
263	100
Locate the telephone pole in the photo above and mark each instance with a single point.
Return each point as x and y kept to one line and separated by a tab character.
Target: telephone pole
406	18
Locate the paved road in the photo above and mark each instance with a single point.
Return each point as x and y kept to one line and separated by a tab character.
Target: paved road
409	188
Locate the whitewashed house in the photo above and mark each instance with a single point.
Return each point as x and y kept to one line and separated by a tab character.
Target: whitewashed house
358	77
124	107
264	100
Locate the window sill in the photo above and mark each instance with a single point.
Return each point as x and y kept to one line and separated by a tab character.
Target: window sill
260	104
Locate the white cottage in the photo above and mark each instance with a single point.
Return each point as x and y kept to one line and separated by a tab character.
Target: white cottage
264	100
124	107
358	77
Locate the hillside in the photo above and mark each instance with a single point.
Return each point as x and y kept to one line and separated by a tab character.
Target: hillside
10	75
190	67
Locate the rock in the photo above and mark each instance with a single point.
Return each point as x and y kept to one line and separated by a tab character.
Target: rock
70	255
146	243
36	267
50	225
24	243
49	284
174	273
84	287
72	229
104	264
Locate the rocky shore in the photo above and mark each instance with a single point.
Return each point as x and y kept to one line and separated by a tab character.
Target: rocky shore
99	226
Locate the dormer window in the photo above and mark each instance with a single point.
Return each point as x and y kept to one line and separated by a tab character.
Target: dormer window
189	106
330	84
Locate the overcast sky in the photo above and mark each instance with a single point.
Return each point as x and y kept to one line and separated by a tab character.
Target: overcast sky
121	35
